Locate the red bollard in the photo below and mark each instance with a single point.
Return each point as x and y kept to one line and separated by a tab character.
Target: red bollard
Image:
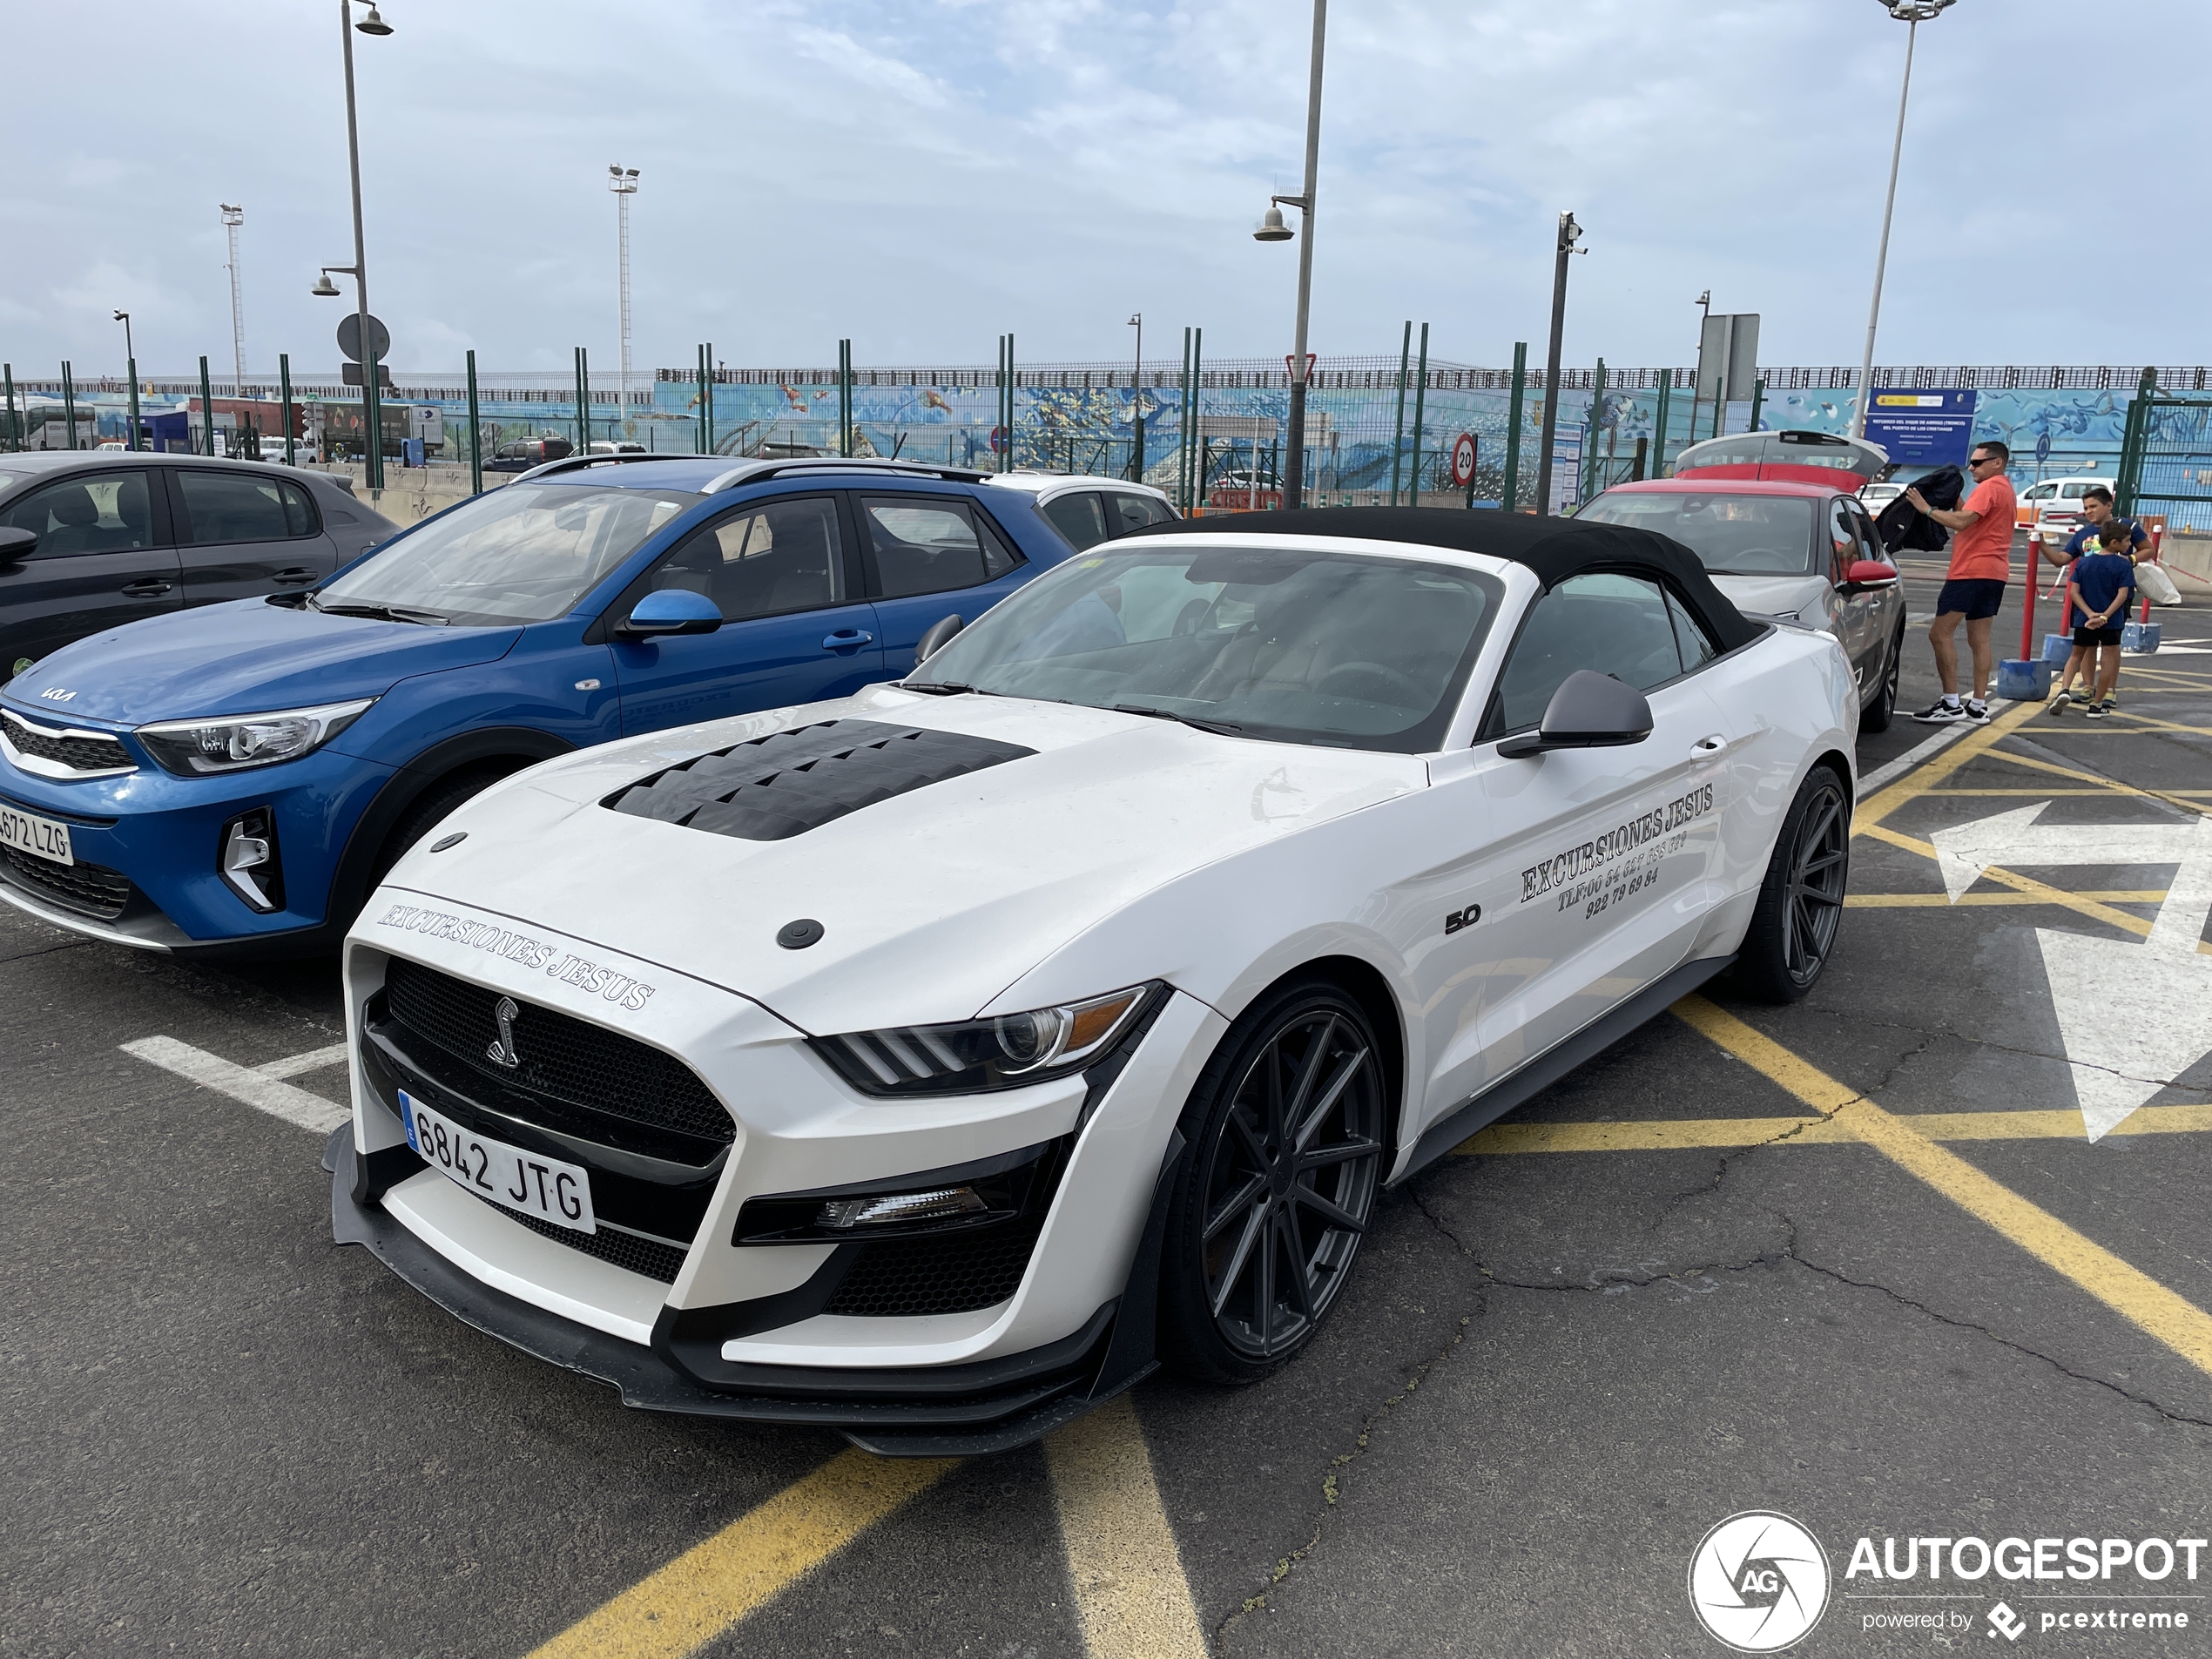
2157	547
2034	577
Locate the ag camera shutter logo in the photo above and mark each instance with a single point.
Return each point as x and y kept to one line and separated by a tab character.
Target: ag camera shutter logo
1758	1582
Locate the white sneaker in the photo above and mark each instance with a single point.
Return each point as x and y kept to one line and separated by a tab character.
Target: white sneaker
1944	711
1977	710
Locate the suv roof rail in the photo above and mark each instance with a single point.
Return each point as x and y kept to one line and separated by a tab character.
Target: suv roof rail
752	471
571	463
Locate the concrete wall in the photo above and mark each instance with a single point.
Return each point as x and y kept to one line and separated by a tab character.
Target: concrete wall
415	493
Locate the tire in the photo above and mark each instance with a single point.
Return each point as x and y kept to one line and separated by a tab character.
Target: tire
1877	716
1801	901
436	804
1286	1135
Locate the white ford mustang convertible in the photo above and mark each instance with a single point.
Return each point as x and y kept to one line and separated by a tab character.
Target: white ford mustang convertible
932	1064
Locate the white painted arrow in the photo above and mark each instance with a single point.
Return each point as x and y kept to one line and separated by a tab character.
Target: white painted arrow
2133	1017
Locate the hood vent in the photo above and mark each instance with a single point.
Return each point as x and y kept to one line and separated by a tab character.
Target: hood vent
789	782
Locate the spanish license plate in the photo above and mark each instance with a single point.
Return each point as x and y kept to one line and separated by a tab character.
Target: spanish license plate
41	837
528	1182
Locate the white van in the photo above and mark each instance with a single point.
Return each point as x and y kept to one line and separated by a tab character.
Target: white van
2055	505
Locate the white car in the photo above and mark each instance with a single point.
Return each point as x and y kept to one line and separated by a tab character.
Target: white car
931	1063
1087	509
2055	505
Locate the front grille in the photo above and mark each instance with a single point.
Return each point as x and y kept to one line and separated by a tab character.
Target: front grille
79	752
645	1255
562	1058
90	889
900	1278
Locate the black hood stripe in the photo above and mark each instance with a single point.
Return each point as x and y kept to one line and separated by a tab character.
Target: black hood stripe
772	788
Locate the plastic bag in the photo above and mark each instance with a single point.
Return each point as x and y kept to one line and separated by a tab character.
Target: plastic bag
2155	585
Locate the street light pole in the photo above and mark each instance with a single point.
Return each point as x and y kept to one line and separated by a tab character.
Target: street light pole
372	413
1273	229
1913	14
1137	403
234	216
131	367
1568	232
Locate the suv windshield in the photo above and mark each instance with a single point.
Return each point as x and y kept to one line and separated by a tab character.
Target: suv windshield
1274	642
523	553
1733	534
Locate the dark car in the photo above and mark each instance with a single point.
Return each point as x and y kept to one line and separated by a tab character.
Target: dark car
92	539
520	454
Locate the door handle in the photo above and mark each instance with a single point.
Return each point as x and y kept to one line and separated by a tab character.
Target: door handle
151	587
293	578
847	639
1705	746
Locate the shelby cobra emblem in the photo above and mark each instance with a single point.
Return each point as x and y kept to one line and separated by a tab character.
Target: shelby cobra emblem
502	1052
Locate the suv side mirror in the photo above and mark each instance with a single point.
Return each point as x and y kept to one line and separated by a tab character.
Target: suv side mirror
940	635
1590	711
671	610
17	543
1865	574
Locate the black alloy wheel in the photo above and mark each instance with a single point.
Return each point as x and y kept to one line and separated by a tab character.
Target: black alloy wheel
1879	714
1279	1188
1801	901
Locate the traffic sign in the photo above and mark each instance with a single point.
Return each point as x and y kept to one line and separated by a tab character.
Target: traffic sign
349	337
1463	453
998	439
2042	448
1290	364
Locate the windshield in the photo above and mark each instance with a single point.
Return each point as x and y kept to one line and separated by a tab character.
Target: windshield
524	553
1277	643
1732	535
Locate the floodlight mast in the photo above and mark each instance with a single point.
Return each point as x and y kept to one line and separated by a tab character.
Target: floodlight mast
233	218
1913	14
624	182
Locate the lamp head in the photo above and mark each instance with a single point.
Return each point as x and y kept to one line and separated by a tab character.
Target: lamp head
374	24
123	316
324	289
1272	228
1916	11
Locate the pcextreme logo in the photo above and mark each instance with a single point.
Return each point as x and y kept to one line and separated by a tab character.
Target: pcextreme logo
1758	1582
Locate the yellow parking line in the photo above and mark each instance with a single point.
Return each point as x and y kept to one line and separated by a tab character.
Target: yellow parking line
1130	1594
2128	1291
708	1588
1503	1140
1920	779
1944	901
2106	785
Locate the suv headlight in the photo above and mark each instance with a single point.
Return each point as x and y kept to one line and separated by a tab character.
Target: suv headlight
969	1056
190	748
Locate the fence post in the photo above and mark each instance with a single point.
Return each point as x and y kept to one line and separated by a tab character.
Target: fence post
583	402
845	398
1510	490
1197	418
475	435
206	410
131	365
709	397
1636	470
1397	431
14	426
1758	397
1659	424
1183	433
69	400
1591	464
1420	400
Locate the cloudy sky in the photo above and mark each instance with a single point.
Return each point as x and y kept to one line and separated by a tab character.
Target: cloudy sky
922	175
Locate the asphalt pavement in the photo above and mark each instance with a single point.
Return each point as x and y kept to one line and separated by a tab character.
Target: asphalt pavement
1857	1262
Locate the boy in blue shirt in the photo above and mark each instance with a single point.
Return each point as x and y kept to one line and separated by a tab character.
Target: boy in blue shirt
2100	585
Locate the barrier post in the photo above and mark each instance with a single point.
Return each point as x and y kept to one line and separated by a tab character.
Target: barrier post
2157	557
2034	580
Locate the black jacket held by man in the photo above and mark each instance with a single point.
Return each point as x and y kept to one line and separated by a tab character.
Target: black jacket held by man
1902	525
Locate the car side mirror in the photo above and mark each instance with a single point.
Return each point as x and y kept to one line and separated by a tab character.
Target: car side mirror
671	610
1590	711
1865	575
940	635
16	544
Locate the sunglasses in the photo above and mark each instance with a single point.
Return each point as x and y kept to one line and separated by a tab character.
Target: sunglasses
1983	460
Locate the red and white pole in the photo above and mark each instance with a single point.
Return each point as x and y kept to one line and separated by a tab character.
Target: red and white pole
2034	577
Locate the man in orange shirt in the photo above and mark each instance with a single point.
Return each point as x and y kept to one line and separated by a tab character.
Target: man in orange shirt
1981	562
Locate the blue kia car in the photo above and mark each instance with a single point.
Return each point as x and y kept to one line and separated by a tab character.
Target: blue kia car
235	778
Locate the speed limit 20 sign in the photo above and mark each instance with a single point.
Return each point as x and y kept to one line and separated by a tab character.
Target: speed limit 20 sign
1463	460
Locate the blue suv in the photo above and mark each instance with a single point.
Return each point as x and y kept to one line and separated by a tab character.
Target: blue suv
236	778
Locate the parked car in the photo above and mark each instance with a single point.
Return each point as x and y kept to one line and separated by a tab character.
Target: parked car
616	446
1086	509
236	778
1874	497
924	1064
1808	552
520	454
2055	505
93	540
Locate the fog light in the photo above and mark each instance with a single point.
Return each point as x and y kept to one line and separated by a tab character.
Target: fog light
249	861
939	1203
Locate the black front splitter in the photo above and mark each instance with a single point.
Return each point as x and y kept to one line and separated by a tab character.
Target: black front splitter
964	1411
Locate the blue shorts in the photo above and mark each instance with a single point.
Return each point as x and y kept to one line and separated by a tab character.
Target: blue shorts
1974	598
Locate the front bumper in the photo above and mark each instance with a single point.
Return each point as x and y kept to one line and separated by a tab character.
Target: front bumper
941	1411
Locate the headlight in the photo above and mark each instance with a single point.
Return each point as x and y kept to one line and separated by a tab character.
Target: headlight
971	1055
192	747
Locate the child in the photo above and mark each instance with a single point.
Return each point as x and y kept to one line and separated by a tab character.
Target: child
2100	587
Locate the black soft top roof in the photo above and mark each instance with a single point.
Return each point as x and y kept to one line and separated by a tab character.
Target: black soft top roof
1553	548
